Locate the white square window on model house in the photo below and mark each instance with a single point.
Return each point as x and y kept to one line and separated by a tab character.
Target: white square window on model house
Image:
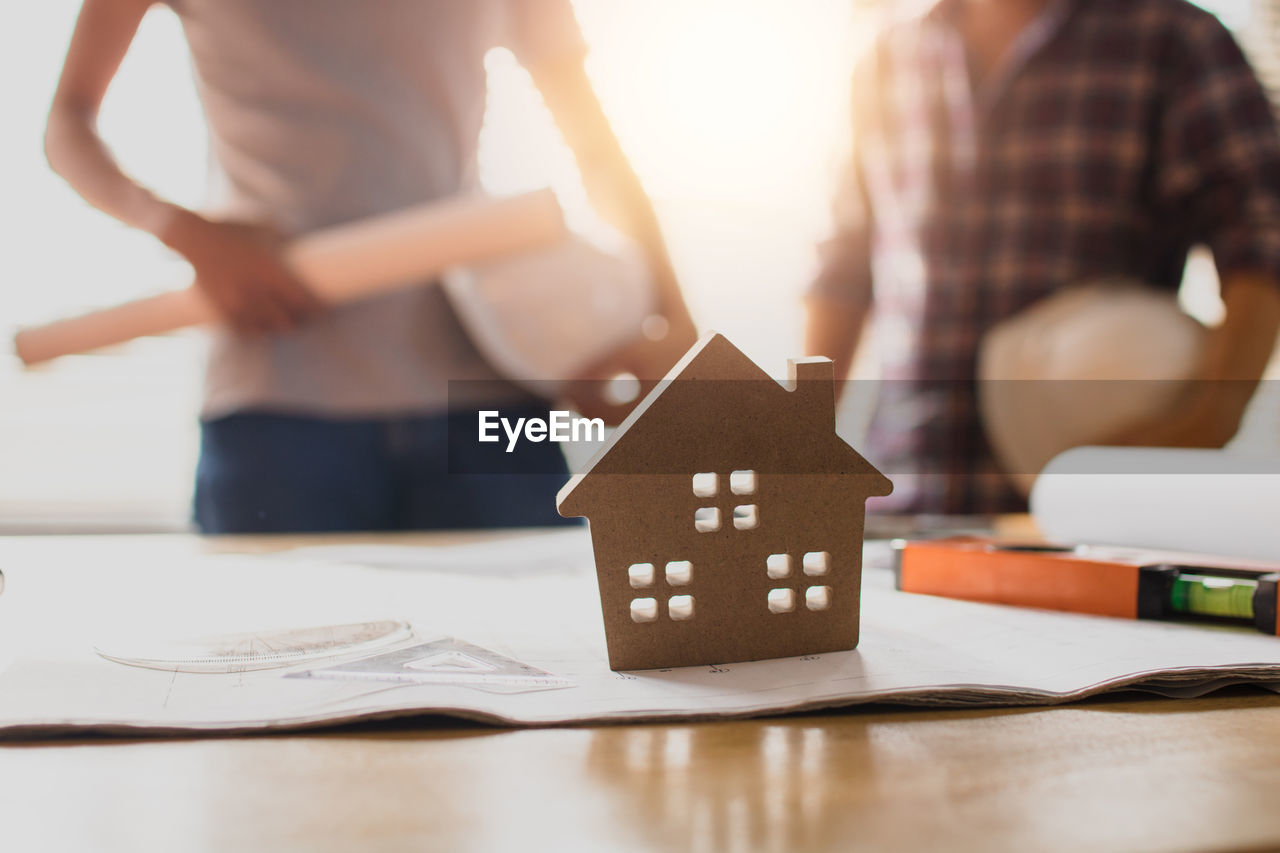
726	516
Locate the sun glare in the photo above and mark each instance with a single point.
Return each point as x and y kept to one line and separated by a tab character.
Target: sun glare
720	99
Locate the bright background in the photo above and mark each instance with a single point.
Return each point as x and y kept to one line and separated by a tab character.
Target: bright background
731	110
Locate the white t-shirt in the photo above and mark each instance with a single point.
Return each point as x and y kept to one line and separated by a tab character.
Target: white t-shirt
325	111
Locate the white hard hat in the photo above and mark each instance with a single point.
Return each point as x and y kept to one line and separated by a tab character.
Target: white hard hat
1106	330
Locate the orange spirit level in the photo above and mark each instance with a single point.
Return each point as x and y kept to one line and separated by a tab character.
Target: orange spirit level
1122	582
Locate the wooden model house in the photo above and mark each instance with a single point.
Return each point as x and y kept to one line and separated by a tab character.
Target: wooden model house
726	516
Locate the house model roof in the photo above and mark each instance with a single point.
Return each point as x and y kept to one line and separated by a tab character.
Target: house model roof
716	410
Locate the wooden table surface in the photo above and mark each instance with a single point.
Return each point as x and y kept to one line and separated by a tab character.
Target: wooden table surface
1107	774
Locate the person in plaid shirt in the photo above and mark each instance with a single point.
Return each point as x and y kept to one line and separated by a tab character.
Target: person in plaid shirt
1005	149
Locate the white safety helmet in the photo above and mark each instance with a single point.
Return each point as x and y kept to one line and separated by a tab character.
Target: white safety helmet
1104	330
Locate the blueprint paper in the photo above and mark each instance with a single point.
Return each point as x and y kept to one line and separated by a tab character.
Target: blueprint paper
915	650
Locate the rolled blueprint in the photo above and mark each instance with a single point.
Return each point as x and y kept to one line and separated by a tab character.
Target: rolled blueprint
340	264
1204	501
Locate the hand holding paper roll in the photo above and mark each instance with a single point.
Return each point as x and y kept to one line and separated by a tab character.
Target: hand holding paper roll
337	264
240	268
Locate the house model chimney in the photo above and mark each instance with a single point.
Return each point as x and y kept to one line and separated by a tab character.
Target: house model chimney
813	380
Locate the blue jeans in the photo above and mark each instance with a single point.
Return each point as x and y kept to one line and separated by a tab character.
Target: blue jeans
272	473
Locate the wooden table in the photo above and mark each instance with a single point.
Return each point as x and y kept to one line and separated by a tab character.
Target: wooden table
1109	774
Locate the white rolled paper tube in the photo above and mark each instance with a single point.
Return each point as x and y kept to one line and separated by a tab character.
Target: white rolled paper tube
340	264
1201	501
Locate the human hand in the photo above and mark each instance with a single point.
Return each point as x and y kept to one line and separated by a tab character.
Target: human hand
647	359
1206	414
240	270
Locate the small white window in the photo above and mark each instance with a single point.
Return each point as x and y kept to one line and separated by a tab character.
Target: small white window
641	574
746	517
781	601
742	482
706	485
679	572
778	565
680	607
706	519
817	597
816	563
644	609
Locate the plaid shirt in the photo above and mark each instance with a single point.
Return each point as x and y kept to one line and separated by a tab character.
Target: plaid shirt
1116	135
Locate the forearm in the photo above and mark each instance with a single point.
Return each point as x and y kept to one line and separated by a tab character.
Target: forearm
611	184
77	153
616	192
103	32
1241	346
833	329
1237	352
617	195
1234	358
